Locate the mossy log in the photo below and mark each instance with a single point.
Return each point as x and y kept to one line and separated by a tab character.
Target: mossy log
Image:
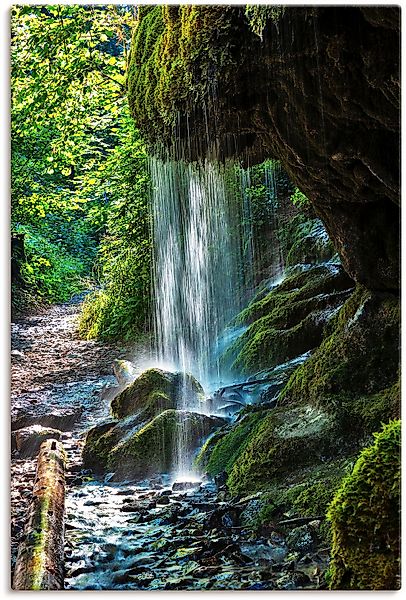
40	560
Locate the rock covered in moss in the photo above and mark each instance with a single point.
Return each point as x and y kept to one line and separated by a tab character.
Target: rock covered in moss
282	442
100	440
365	518
154	391
202	81
289	320
222	449
307	241
153	448
354	373
133	450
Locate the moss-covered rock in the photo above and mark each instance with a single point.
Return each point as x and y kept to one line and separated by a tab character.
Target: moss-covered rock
354	373
154	391
132	448
329	408
152	449
282	442
202	82
307	241
289	320
100	440
221	450
365	518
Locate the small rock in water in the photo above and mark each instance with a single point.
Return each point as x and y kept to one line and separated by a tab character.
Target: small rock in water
301	539
185	485
29	439
163	500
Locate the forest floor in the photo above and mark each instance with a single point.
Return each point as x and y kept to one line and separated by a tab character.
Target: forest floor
133	534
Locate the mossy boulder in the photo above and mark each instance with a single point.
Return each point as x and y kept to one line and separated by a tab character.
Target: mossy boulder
100	440
222	449
353	374
290	319
365	518
307	241
282	441
133	449
154	391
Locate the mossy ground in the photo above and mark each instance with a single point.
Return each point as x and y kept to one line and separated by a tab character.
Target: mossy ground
306	492
365	518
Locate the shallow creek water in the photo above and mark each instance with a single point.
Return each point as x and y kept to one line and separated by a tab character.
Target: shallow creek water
149	535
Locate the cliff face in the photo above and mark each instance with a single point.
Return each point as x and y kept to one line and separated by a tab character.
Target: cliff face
319	91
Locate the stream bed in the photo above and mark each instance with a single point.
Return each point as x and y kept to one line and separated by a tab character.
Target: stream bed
151	535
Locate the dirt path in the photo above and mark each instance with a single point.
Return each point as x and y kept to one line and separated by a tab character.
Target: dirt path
57	380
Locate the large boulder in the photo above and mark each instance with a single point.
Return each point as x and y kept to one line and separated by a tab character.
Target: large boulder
154	391
134	450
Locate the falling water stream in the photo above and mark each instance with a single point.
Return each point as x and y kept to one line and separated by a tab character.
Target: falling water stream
198	271
149	534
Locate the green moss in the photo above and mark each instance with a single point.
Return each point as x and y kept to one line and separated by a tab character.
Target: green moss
151	449
284	440
353	374
259	15
179	55
154	391
289	320
223	452
365	518
100	440
306	241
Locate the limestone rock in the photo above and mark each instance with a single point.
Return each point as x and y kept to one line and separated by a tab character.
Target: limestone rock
319	90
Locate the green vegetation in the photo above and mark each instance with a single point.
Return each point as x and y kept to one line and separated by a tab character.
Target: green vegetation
221	450
121	308
353	373
365	518
80	187
178	56
153	391
67	96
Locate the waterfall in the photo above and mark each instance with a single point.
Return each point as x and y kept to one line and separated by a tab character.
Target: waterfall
198	272
203	265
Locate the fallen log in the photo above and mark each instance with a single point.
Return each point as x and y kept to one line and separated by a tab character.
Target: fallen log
40	559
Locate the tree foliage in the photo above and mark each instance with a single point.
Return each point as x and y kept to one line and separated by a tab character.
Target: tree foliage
68	97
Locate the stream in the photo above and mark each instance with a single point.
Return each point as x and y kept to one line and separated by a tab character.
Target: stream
152	534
